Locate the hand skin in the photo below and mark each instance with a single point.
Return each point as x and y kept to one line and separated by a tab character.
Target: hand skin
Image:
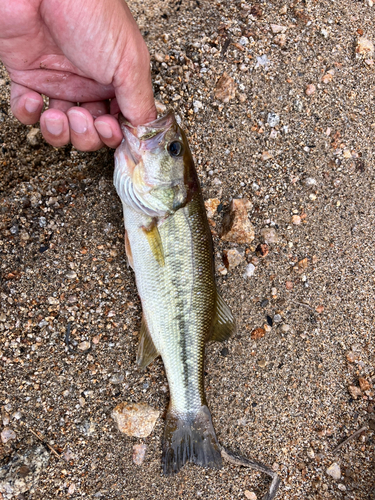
76	51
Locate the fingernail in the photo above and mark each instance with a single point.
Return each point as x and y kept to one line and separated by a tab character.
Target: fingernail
54	127
77	121
31	105
104	129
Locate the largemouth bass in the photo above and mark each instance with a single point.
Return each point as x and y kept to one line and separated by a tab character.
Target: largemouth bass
169	246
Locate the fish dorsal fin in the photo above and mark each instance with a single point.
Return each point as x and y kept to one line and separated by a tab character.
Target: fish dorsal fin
147	352
224	324
156	245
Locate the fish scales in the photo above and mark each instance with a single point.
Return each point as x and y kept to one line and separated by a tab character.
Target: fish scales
169	246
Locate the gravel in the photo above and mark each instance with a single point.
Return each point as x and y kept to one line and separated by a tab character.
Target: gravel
282	398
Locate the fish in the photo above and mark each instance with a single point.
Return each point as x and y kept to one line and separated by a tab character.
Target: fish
169	246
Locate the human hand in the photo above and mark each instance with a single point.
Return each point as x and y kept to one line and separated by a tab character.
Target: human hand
76	51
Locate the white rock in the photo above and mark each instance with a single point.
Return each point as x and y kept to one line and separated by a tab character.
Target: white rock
250	270
334	471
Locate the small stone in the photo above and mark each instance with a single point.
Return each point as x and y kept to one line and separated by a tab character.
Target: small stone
250	270
273	119
258	333
334	471
277	318
135	419
71	489
232	258
250	495
365	47
71	275
266	156
211	207
298	105
269	235
222	269
341	487
327	78
310	89
319	309
225	88
296	219
277	28
262	250
139	453
364	384
236	225
159	57
289	285
309	182
354	391
285	328
352	357
160	107
241	97
84	346
280	39
33	137
7	434
224	352
262	362
283	10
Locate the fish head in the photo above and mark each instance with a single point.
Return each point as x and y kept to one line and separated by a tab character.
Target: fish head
154	170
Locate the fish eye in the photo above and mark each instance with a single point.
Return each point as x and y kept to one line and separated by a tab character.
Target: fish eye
175	148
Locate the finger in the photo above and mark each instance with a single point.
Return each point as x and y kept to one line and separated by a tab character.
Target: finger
109	130
54	126
26	105
97	108
61	105
83	134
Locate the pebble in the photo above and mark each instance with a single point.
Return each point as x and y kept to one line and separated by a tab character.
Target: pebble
84	346
266	155
285	328
310	89
225	88
264	303
135	419
237	227
309	182
71	489
364	384
258	333
341	487
277	28
354	391
273	119
139	453
250	495
262	250
33	136
277	318
280	39
334	471
159	57
232	258
289	285
327	78
222	269
250	270
71	275
7	435
365	47
296	219
269	235
298	106
211	207
262	362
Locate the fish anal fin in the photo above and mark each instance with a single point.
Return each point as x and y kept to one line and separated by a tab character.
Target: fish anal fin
128	250
147	352
154	240
224	324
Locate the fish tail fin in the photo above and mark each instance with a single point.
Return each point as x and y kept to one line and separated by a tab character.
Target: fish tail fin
190	439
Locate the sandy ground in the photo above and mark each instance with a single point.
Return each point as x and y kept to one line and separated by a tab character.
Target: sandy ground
284	398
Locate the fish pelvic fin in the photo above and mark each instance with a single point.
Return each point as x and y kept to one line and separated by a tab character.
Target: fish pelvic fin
156	245
190	438
147	351
224	324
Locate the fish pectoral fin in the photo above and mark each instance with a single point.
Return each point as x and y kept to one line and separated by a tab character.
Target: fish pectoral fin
156	245
224	324
128	251
147	352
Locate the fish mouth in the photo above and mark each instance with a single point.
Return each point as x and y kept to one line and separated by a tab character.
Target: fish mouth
149	130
